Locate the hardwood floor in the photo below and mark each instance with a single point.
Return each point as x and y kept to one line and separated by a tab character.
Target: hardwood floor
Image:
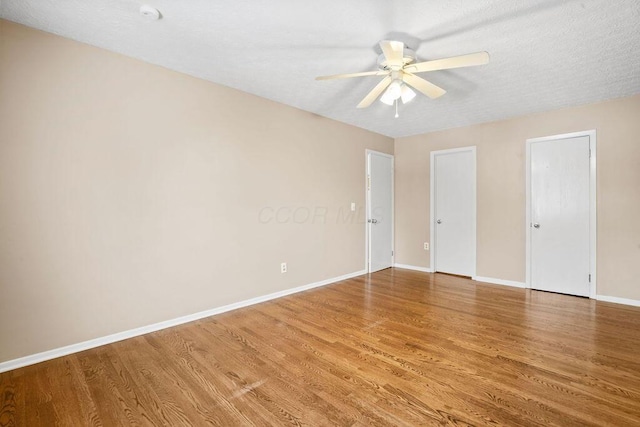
393	348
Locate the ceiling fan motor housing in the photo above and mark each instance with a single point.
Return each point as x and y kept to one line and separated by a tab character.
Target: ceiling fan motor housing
409	56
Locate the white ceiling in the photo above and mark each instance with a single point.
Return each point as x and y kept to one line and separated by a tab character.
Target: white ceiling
545	54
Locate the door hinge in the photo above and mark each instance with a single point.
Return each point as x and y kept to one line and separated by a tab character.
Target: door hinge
368	182
391	253
589	278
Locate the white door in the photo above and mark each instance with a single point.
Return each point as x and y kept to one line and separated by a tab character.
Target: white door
454	211
380	210
560	215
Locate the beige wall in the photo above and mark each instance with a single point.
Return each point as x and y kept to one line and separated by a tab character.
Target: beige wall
501	190
131	194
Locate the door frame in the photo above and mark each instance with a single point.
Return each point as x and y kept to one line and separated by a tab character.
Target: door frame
432	204
367	190
592	203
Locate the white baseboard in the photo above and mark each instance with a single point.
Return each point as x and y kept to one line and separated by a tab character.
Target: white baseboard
97	342
617	300
413	267
499	281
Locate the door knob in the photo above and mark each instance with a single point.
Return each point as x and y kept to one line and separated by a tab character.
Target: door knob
373	221
439	221
536	225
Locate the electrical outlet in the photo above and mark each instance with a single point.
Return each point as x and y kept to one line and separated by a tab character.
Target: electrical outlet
353	207
426	246
283	267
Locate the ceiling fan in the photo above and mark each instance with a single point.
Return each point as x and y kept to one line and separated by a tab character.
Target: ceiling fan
397	65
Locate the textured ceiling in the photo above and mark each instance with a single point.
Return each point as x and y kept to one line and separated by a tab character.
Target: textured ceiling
545	54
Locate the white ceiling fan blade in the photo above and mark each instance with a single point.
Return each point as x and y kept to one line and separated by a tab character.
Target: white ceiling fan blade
393	51
347	76
473	59
420	84
375	92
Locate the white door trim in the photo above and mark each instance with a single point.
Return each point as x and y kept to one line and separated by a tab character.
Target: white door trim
592	203
367	189
432	220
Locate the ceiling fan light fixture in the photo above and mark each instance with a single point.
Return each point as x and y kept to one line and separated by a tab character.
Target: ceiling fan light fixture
387	99
407	94
393	92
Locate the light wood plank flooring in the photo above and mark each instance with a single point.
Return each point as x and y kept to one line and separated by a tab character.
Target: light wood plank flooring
393	348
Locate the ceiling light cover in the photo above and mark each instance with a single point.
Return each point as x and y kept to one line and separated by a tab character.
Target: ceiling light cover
407	94
395	89
385	99
393	92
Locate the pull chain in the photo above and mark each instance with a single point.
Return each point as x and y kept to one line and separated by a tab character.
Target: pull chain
397	109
